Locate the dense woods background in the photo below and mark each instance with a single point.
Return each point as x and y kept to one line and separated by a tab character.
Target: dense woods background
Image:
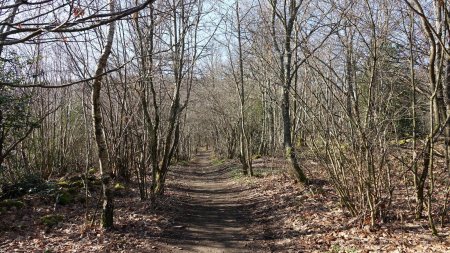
122	90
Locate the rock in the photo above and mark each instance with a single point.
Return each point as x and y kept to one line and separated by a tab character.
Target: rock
51	219
63	183
77	184
92	171
64	198
119	187
11	203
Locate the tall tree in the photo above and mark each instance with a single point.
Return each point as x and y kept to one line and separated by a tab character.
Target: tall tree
102	149
245	148
287	13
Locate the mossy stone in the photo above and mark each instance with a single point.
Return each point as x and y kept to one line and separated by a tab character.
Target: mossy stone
95	181
64	198
63	184
8	203
51	220
77	184
92	170
119	187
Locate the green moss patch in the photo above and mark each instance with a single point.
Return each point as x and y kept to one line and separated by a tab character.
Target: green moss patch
183	163
119	187
63	183
93	181
9	203
52	219
92	171
64	198
26	185
257	156
77	184
216	162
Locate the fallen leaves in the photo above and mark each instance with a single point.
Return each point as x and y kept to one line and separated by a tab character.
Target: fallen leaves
283	217
311	220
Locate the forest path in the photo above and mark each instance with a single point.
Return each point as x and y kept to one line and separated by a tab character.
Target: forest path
214	212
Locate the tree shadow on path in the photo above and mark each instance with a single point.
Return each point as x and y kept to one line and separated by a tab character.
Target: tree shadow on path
213	213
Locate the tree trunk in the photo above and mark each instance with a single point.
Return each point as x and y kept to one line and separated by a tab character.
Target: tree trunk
245	153
105	169
289	150
286	78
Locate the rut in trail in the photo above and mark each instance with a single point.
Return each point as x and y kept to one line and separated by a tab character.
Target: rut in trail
216	211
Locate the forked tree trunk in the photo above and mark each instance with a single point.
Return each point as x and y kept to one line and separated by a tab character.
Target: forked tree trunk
285	58
173	132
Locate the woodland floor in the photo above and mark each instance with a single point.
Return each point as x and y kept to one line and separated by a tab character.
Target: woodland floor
209	207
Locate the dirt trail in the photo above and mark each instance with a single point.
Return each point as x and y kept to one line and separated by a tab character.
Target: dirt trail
215	212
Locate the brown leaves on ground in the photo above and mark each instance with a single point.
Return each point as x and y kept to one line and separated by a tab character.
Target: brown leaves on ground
285	217
310	219
136	228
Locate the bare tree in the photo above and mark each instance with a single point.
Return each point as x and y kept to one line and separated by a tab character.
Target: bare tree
287	15
105	169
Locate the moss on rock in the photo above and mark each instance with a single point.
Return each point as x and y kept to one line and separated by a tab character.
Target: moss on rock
77	184
51	220
64	198
63	183
119	187
9	203
92	171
